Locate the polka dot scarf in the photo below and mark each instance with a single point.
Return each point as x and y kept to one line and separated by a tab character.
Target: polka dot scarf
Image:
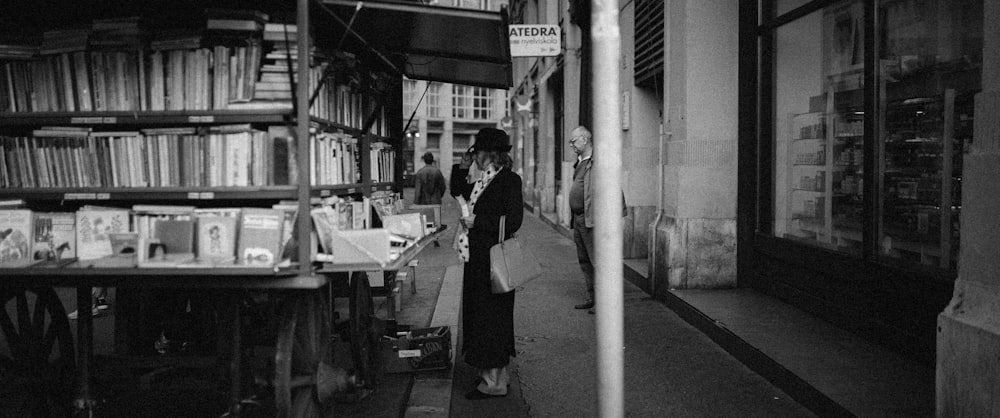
463	235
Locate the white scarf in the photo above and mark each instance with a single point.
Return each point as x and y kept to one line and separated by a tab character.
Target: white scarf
462	243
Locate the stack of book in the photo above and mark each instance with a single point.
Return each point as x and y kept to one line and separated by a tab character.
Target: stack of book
280	65
333	158
383	162
148	236
225	155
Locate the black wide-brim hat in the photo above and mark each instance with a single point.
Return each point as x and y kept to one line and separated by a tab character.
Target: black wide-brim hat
491	139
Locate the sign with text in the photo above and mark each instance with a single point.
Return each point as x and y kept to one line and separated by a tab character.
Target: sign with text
535	40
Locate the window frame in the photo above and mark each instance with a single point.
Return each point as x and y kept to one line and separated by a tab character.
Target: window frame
761	191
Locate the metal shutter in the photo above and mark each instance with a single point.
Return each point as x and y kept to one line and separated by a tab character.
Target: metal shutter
648	41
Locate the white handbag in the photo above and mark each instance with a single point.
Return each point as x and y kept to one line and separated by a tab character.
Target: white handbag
510	265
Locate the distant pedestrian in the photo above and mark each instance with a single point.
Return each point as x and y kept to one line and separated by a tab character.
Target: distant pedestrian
459	184
581	199
487	318
580	206
429	183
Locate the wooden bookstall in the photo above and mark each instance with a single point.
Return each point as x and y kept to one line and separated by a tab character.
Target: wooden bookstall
122	104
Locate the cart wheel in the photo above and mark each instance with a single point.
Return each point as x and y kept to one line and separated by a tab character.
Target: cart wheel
365	337
304	344
37	360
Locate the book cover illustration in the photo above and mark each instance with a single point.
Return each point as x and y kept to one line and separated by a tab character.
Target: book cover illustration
54	236
216	239
15	236
93	227
260	236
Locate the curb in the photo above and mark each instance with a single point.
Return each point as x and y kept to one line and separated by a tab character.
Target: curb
430	395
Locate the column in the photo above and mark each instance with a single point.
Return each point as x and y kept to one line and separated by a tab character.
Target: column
968	343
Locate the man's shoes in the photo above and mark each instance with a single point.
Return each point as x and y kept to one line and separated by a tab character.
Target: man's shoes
475	395
591	311
585	305
102	304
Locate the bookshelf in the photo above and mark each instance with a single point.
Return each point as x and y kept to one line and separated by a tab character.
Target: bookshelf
122	104
114	112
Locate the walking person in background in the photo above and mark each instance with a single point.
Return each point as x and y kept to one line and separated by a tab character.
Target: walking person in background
429	183
487	318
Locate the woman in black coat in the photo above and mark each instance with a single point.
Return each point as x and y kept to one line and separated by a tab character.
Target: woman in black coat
487	318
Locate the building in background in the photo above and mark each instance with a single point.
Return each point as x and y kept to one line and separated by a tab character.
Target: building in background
839	155
446	117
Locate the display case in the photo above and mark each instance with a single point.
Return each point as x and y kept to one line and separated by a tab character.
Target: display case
824	167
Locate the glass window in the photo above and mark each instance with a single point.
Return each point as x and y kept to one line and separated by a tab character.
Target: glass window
818	128
410	97
931	57
433	141
461	143
482	103
461	101
434	100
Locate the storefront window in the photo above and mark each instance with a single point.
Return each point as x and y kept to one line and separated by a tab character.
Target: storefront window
818	128
931	57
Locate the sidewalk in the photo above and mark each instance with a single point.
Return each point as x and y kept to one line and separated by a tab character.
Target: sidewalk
827	369
671	369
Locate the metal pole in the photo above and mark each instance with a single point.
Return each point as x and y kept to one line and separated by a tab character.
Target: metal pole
608	241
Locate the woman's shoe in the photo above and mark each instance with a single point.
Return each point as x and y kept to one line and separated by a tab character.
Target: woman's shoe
475	395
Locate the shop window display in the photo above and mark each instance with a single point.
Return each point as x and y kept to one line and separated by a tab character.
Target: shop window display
818	128
931	57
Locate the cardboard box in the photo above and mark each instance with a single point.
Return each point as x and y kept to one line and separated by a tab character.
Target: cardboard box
417	350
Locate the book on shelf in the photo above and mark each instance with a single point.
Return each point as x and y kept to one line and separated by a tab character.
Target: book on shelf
259	237
54	236
124	244
165	234
15	237
410	226
93	228
288	247
325	222
361	246
217	239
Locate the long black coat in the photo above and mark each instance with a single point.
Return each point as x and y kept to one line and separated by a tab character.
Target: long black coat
488	319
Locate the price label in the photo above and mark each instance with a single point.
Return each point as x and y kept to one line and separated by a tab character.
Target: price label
194	195
103	196
409	353
201	119
324	193
206	195
352	190
111	119
86	119
374	188
80	196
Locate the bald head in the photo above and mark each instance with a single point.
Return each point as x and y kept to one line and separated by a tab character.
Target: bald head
581	141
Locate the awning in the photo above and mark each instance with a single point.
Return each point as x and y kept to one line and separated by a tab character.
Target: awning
446	44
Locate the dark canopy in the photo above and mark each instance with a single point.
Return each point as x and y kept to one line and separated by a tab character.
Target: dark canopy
446	44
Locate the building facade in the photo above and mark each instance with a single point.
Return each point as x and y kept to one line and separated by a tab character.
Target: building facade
839	155
443	118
